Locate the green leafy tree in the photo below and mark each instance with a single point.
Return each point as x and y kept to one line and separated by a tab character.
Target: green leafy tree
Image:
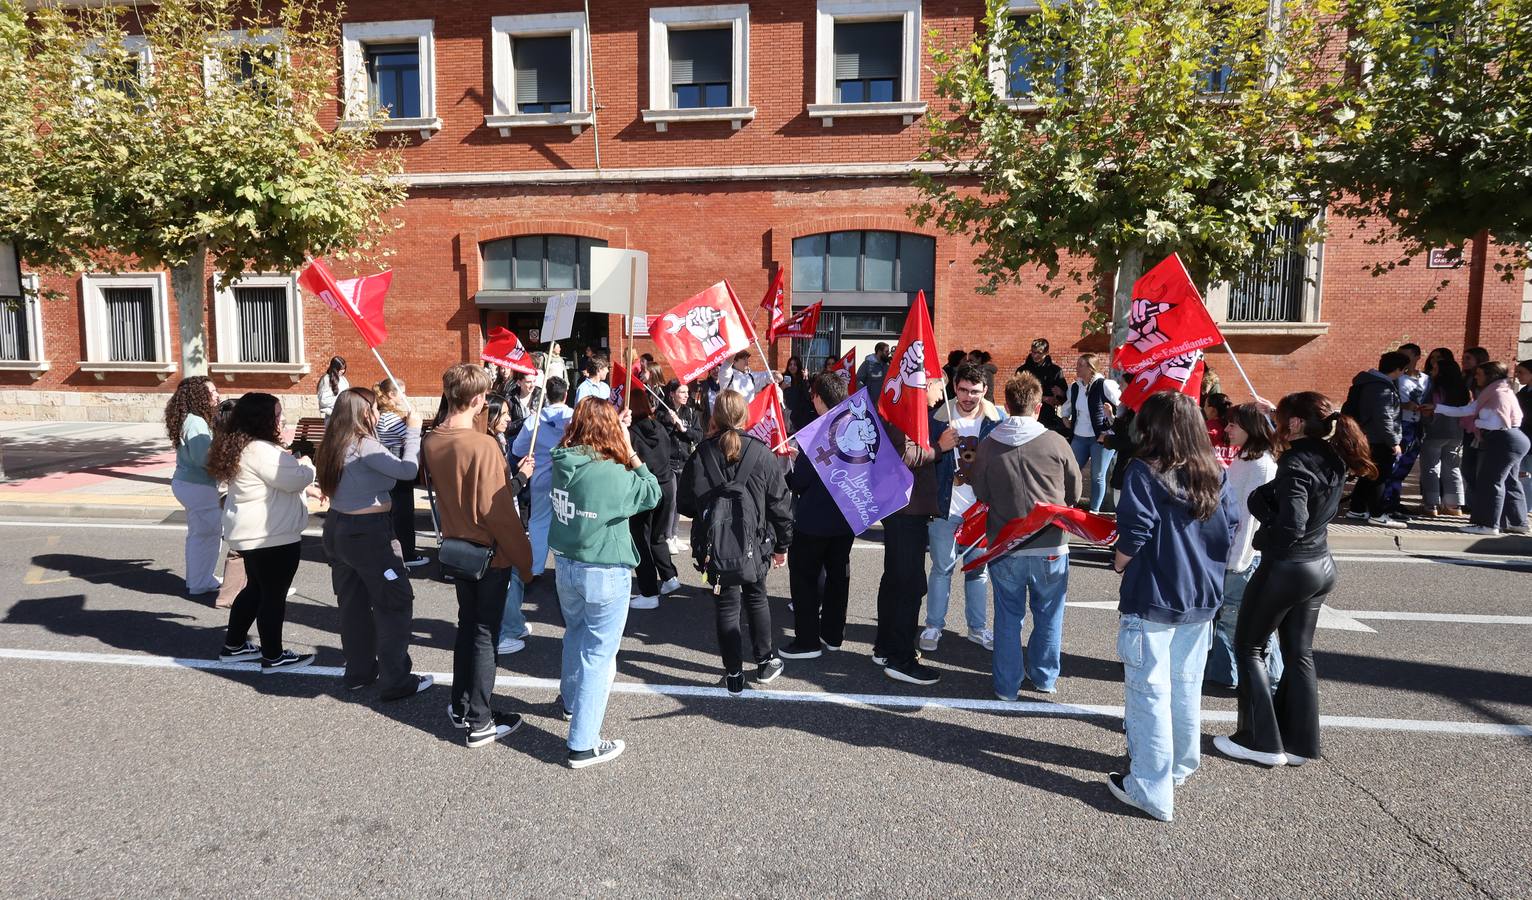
204	148
1090	138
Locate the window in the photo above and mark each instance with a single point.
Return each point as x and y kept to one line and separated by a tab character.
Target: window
867	55
126	324
260	326
538	262
539	64
21	333
243	59
1279	289
123	71
865	262
1014	70
391	66
699	65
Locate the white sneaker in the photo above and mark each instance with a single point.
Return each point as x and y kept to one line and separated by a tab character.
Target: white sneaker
510	645
1484	530
642	602
930	638
670	586
1229	748
983	637
1386	521
1518	529
675	545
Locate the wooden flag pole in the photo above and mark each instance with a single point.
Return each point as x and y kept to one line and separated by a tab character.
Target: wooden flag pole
537	412
627	389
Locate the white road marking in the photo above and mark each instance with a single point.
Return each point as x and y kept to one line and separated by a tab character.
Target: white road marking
1463	618
45	524
1034	708
1329	617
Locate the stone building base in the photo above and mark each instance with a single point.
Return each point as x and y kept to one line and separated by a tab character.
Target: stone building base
106	406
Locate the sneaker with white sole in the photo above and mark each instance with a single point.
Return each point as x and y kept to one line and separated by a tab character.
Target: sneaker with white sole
420	683
983	637
769	670
288	660
248	653
929	638
1386	521
913	673
670	586
1518	529
1295	760
642	602
1228	747
509	646
415	563
1356	516
564	711
734	683
879	659
1483	530
458	720
499	725
604	751
1116	782
795	650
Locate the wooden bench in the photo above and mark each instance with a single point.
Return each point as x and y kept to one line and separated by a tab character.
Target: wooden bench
308	434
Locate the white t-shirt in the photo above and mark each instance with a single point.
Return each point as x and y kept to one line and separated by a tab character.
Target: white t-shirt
967	445
1110	393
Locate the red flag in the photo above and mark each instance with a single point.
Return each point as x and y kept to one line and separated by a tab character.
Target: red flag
1167	319
700	332
617	377
972	532
1090	526
765	422
775	305
358	299
504	349
845	367
903	401
803	324
739	310
1179	373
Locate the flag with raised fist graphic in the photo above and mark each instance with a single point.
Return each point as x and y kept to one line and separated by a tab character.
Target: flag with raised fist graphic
903	399
702	331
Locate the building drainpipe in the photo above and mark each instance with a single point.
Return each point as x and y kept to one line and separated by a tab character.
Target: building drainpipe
590	75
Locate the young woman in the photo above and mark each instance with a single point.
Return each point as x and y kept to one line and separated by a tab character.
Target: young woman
795	391
331	383
393	410
1295	575
1176	526
1092	405
729	460
601	483
685	421
497	422
1441	446
1215	410
656	573
367	570
1498	498
263	521
189	418
1254	441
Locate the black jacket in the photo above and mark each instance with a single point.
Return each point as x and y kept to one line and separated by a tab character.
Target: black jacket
816	512
1047	373
766	486
1294	509
1374	402
683	439
652	444
800	407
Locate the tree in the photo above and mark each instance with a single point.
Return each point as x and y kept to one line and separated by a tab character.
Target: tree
1116	131
206	146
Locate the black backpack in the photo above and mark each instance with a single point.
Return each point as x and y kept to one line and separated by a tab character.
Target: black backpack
729	539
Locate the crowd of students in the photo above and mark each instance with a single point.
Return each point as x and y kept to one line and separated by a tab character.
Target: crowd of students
1222	514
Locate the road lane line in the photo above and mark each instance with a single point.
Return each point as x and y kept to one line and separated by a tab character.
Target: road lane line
1025	708
1465	618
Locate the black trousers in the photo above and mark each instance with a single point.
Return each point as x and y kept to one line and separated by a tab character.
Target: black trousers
654	562
1367	496
403	516
480	607
731	640
819	614
269	573
377	603
902	587
1283	596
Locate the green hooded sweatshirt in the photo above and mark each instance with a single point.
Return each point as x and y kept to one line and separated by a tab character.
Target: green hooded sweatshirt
592	500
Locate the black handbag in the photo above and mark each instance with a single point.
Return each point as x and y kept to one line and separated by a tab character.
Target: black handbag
464	560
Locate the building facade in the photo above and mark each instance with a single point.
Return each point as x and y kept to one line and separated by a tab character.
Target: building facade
724	140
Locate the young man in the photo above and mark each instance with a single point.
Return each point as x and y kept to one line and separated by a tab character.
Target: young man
971	417
1020	464
596	367
821	549
874	369
905	535
1374	402
1412	385
476	503
738	377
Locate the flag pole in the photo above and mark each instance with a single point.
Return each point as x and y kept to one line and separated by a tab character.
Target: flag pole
627	389
1241	369
537	413
386	372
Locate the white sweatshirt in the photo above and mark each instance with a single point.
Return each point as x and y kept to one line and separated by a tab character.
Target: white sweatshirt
266	507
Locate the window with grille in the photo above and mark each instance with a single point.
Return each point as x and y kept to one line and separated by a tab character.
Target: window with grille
130	324
393	79
866	262
15	341
868	61
544	80
701	67
1274	285
538	262
261	316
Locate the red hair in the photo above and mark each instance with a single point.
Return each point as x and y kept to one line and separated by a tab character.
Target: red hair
595	427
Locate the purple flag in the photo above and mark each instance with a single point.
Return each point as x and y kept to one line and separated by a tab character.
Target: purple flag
852	454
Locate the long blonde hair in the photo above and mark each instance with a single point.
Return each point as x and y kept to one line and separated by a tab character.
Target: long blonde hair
729	414
354	418
389	395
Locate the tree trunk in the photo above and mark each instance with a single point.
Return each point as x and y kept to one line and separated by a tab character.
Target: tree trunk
188	281
1473	318
1130	267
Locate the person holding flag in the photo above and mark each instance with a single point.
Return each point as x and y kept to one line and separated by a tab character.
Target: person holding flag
740	379
551	421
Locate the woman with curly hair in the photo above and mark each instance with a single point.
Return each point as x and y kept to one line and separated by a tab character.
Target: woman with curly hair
264	521
189	416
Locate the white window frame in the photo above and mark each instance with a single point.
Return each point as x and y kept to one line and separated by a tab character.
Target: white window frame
504	30
1310	322
226	315
212	64
999	66
661	20
96	349
355	37
136	44
37	363
829	12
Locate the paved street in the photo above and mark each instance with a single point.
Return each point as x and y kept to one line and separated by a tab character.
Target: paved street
136	764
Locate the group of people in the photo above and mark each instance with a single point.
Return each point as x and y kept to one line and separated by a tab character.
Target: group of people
1222	513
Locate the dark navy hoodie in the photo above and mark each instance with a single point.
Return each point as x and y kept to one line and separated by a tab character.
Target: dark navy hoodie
1176	574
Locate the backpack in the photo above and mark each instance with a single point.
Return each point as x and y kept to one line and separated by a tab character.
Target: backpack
729	541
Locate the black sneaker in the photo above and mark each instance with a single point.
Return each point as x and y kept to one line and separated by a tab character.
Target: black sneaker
564	712
1116	784
735	682
418	684
458	719
913	673
232	653
361	684
796	650
288	660
769	670
604	751
500	725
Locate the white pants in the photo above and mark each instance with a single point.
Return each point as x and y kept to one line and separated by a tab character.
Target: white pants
204	533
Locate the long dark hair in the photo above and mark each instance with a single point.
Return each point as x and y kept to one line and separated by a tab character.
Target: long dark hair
1323	421
332	372
1448	381
1261	437
1173	438
354	418
254	418
192	398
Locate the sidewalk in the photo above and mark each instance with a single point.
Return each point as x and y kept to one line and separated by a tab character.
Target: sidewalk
78	470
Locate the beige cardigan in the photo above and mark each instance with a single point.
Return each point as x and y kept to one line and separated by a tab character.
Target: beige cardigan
265	507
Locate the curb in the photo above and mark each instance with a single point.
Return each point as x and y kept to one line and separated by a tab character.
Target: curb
87	511
1407	541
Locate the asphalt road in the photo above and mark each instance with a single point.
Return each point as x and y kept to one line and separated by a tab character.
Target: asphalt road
172	779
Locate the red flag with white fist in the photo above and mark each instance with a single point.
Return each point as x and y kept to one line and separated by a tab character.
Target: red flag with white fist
903	401
702	331
1166	320
504	349
1179	373
775	304
803	324
358	299
845	367
766	423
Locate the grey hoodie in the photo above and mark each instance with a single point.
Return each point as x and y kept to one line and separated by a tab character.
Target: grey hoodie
1020	464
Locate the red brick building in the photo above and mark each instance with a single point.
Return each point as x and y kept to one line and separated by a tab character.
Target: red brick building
726	140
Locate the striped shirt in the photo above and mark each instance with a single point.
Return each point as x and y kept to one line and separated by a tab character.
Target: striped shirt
390	432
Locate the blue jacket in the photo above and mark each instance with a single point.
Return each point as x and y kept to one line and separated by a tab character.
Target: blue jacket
554	420
946	463
1176	573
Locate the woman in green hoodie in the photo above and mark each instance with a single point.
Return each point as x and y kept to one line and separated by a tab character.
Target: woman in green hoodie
598	483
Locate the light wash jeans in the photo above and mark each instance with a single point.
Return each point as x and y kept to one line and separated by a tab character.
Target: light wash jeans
537	528
513	624
1100	458
204	532
1222	668
1162	674
595	604
944	560
1047	579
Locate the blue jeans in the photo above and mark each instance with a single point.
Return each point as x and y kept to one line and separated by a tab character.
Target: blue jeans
594	600
1222	667
537	529
1162	680
1100	459
514	623
944	559
1047	578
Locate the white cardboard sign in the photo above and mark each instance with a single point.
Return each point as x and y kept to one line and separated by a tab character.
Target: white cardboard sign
610	277
558	317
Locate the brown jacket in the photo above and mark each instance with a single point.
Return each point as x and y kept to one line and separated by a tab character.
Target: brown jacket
1022	463
473	495
922	463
